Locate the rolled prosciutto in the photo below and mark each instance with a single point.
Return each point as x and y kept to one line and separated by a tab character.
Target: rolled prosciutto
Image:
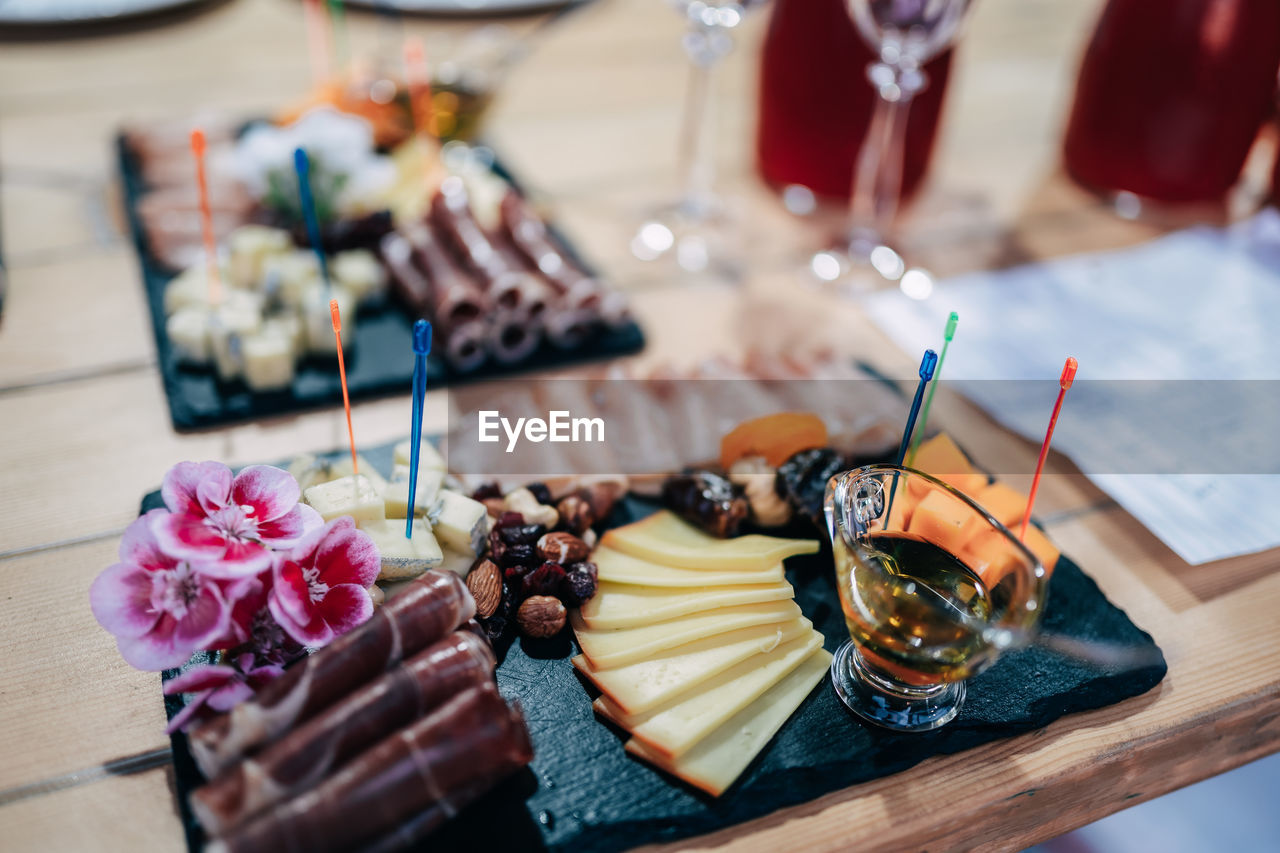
463	747
426	610
303	758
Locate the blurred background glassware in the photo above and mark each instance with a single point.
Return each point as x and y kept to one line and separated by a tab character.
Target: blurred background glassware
816	102
696	231
927	606
904	35
1170	98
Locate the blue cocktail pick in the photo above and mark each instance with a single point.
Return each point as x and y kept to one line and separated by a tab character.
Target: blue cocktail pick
421	347
302	165
927	366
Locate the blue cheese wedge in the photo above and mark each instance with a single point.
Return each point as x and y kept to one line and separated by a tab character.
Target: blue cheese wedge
188	332
310	470
287	279
190	287
318	320
460	523
354	495
237	318
360	273
459	564
428	455
269	358
396	494
248	246
402	557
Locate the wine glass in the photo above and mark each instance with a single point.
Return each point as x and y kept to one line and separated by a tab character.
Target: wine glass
695	231
933	591
904	35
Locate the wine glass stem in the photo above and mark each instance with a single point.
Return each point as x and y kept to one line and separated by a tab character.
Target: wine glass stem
877	185
697	166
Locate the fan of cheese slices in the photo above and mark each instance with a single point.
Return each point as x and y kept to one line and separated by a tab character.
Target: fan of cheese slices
697	645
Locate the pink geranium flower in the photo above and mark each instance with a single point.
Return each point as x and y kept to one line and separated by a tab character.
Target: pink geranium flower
160	608
218	686
230	525
321	587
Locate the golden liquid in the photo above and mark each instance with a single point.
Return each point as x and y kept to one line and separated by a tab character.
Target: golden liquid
916	608
456	111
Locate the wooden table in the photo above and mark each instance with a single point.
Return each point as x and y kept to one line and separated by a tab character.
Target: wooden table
589	120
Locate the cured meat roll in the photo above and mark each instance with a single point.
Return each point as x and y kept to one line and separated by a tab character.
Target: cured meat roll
426	610
463	747
303	758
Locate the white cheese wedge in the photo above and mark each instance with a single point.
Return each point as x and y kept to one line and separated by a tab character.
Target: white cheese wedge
355	495
625	606
317	320
664	538
248	246
672	729
428	455
403	558
238	317
188	332
617	567
644	685
716	762
460	523
191	287
288	278
360	272
606	649
269	357
396	494
310	471
459	564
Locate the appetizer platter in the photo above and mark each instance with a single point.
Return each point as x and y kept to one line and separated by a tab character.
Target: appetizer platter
660	653
409	229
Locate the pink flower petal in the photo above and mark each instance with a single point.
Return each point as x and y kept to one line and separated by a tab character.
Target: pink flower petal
154	650
271	492
287	530
206	619
120	598
292	593
263	675
229	695
182	483
214	491
188	537
314	632
344	607
239	560
208	676
138	545
187	715
348	555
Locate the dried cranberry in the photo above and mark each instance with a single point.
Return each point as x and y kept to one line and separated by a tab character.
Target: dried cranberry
495	627
541	492
486	491
579	584
518	555
522	534
544	580
508	519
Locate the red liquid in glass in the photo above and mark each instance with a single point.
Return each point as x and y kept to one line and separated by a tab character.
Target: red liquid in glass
816	103
1171	95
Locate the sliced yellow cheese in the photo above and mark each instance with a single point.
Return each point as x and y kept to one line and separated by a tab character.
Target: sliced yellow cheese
624	606
664	538
673	729
605	649
643	685
618	567
715	762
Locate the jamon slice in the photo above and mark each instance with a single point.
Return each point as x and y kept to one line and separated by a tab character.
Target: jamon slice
428	609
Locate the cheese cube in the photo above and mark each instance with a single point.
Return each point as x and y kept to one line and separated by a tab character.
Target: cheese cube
269	358
403	558
309	470
248	246
288	278
459	522
715	762
238	317
459	564
353	495
428	455
1005	504
942	459
318	320
620	606
190	287
361	273
643	685
607	648
665	538
396	494
941	518
188	332
617	567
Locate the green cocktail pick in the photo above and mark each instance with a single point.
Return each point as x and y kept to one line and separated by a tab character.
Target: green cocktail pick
937	375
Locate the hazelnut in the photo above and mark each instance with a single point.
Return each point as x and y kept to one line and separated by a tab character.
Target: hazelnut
523	502
541	616
602	495
485	583
757	478
563	548
378	595
495	506
589	536
576	514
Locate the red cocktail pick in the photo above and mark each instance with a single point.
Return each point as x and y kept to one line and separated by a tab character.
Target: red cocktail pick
198	148
418	80
1064	382
342	374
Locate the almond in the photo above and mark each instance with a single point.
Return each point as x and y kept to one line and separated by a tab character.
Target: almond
563	548
485	583
541	616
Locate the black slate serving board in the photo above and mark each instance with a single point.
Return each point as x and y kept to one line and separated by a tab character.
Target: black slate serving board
381	362
583	793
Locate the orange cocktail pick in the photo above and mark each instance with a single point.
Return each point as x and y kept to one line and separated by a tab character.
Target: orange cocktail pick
318	41
342	374
418	80
198	148
1064	382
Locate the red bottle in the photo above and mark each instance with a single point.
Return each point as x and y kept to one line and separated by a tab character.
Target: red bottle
1171	96
816	102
